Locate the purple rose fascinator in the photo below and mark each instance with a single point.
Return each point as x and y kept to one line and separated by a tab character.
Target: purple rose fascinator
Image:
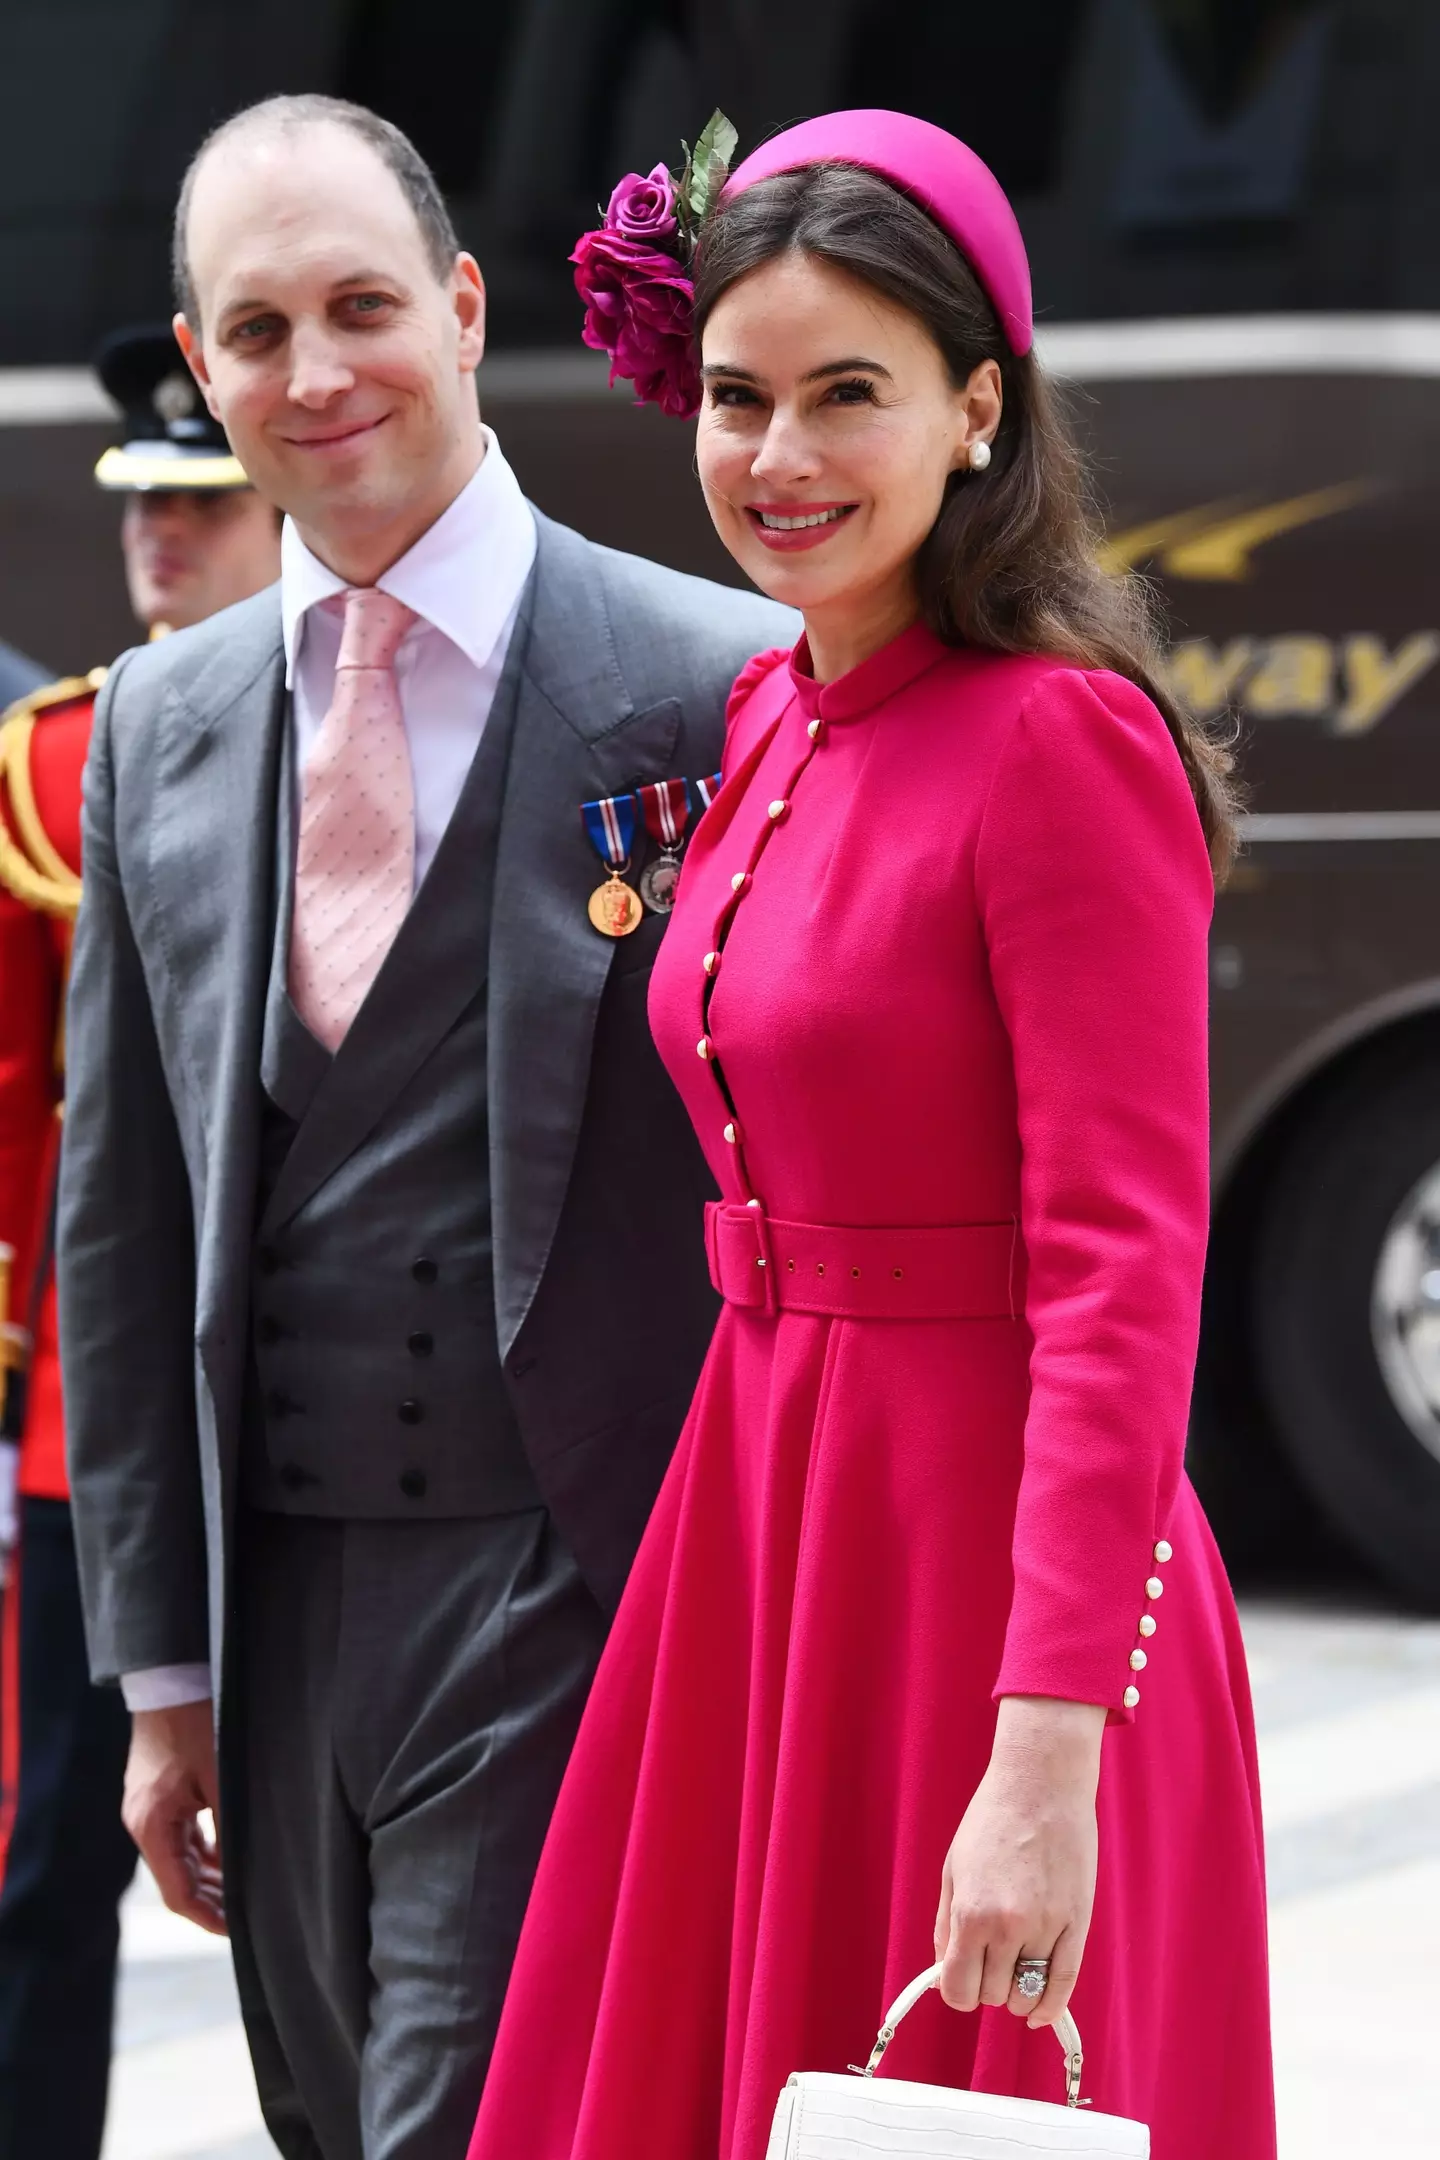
633	273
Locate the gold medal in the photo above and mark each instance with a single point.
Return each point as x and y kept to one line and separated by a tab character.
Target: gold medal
615	908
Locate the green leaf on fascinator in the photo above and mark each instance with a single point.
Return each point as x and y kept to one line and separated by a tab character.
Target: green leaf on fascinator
708	166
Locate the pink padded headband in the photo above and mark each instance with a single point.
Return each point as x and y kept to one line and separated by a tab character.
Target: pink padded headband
938	172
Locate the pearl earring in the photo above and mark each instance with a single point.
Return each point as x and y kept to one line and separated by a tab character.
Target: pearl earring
979	456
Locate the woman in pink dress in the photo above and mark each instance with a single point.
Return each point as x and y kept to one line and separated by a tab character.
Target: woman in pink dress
927	1609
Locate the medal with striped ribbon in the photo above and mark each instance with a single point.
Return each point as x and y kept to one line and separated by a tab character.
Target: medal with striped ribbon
614	908
665	807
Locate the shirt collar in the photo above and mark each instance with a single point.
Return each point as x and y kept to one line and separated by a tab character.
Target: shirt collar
463	576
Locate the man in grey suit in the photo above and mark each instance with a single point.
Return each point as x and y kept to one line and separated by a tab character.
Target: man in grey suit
378	1330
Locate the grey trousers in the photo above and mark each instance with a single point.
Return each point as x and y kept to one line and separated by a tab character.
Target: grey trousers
405	1700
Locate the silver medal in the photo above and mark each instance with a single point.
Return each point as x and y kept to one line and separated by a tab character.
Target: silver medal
659	882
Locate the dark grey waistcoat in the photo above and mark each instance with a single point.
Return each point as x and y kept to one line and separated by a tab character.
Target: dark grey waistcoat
376	1388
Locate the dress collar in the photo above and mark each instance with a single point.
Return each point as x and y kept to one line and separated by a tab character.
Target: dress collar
890	669
462	577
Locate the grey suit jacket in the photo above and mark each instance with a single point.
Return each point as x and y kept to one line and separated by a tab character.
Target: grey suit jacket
602	1304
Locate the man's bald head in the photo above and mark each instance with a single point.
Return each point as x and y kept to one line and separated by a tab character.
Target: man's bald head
280	116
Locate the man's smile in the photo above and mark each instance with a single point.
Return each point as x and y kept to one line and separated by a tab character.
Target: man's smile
336	438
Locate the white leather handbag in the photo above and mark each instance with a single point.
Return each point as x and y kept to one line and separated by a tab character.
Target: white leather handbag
825	2117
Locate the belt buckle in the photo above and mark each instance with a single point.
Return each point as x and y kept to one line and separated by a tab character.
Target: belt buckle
762	1260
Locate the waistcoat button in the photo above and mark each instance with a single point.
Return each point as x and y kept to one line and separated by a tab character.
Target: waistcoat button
269	1260
420	1344
424	1270
278	1404
292	1477
270	1329
410	1412
412	1484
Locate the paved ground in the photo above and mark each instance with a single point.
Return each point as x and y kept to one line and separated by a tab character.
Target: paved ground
1348	1702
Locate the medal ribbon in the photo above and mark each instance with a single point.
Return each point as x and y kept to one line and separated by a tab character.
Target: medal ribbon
611	826
665	806
707	790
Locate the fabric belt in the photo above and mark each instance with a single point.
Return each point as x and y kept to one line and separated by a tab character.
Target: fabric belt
959	1271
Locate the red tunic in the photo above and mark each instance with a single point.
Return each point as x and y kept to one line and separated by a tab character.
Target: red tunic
961	989
40	775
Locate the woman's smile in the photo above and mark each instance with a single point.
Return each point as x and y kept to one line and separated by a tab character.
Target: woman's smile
788	526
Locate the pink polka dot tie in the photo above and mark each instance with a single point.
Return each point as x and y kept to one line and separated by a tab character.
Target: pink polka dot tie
355	865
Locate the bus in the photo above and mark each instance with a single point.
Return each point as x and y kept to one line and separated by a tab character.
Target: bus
1233	214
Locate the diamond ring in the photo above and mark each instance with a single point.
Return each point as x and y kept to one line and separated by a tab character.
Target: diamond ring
1031	1975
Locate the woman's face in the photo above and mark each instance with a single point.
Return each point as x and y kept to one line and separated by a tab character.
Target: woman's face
829	428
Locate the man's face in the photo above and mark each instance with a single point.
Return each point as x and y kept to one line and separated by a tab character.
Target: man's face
339	363
189	553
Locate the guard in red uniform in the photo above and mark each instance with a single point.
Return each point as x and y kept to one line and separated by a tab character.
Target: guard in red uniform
195	539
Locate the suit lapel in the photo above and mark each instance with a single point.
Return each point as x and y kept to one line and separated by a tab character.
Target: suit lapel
293	1063
211	857
576	737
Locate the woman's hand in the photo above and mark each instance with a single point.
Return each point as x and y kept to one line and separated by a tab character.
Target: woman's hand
1019	1880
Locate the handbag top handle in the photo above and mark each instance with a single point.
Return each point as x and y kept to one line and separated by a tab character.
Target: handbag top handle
1065	2029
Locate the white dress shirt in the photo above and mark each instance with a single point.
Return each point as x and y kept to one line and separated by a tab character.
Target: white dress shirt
463	579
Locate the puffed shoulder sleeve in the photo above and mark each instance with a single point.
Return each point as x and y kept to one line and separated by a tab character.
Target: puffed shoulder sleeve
743	709
1095	894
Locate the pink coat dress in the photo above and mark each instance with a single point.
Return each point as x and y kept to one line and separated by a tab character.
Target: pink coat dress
949	1069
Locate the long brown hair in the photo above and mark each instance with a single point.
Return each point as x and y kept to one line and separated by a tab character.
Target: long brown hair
1011	560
